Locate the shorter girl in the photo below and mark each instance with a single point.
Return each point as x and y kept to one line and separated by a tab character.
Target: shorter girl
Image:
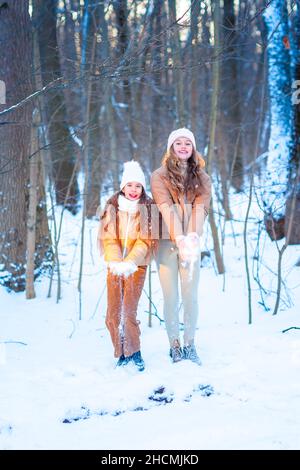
127	252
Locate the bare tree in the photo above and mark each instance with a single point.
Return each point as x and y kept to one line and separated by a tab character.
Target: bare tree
157	59
108	118
31	222
213	124
230	100
62	143
123	54
181	111
92	92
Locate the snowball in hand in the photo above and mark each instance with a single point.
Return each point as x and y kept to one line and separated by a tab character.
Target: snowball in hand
123	268
191	247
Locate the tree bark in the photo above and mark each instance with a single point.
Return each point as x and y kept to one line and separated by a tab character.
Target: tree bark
70	68
213	124
123	56
92	91
62	145
292	228
16	72
181	112
230	100
31	221
43	242
108	90
193	72
156	51
276	177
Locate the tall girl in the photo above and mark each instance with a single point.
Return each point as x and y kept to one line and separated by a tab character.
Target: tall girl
182	191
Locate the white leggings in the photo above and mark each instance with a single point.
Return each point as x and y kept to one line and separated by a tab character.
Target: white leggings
168	269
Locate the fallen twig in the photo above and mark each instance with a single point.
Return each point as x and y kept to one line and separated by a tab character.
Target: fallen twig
291	328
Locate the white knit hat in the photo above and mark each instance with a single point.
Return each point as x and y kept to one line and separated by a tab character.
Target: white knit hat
133	173
183	132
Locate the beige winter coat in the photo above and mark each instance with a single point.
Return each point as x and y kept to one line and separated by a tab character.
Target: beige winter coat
120	240
181	213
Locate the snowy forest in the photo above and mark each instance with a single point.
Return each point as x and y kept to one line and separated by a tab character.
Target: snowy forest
86	85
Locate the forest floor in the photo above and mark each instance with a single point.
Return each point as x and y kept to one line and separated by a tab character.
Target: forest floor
60	388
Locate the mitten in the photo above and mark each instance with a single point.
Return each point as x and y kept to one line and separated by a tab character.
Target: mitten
189	247
122	268
194	244
127	268
113	267
180	243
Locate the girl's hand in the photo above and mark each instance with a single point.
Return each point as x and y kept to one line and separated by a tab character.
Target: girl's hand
189	247
113	266
193	239
128	268
122	268
180	241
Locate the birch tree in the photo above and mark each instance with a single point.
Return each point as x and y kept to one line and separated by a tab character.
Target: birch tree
277	168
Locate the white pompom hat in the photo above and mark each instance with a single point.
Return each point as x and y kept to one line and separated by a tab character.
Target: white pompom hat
133	173
183	132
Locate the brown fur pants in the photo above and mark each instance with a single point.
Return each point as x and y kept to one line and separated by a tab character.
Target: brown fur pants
123	295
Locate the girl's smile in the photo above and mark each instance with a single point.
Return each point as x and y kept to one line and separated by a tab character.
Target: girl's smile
183	148
133	191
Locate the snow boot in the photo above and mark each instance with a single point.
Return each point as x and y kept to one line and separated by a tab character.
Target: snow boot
122	361
189	352
138	360
176	352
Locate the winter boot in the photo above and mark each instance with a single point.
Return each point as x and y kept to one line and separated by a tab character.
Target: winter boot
176	352
122	361
189	352
138	360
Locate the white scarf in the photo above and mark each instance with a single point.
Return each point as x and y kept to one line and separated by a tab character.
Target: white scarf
126	205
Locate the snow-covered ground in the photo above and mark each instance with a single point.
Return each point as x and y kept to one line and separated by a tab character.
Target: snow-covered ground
60	388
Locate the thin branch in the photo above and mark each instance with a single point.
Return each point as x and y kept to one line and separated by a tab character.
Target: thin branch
14	342
36	94
291	328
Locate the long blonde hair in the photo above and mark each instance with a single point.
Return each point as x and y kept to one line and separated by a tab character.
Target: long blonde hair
193	178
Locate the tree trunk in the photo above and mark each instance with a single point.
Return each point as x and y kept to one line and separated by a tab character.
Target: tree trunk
204	79
70	68
92	92
62	145
213	124
155	122
292	219
16	72
230	100
193	71
181	116
123	55
276	178
108	89
43	242
31	221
